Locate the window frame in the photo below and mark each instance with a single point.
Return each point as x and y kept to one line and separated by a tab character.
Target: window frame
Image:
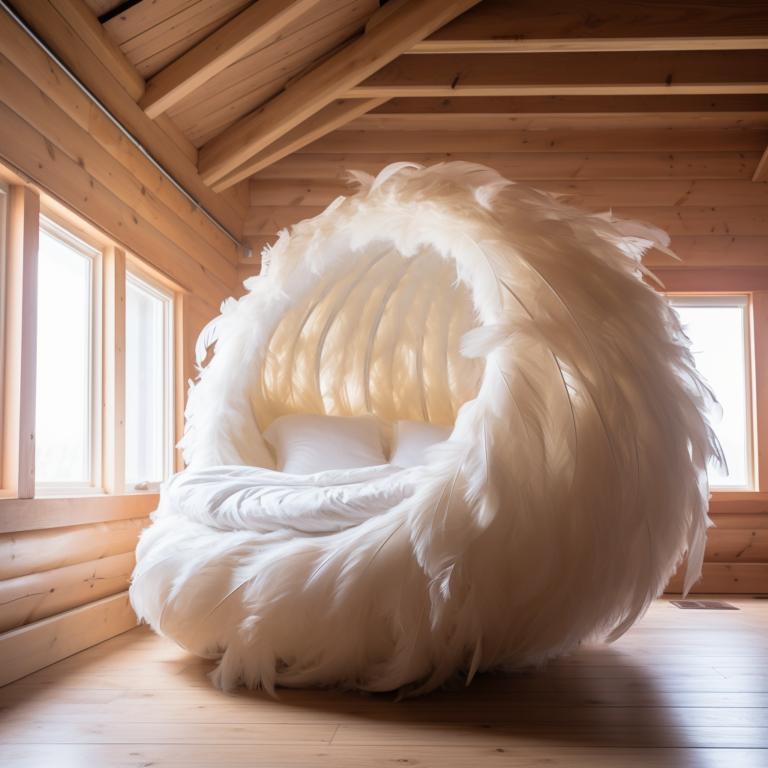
744	300
140	278
5	192
67	234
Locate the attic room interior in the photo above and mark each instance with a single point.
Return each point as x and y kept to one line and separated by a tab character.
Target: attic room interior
420	346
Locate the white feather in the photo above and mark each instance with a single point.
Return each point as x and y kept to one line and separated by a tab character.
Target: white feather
572	486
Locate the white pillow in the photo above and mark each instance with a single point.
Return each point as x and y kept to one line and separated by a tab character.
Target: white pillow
412	438
306	443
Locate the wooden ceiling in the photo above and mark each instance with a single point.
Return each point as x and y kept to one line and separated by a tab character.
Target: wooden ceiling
629	103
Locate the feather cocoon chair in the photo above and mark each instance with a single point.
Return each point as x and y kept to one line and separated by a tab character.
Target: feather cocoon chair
567	495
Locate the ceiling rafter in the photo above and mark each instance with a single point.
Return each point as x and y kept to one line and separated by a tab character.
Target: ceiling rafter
500	26
560	74
328	119
247	31
384	41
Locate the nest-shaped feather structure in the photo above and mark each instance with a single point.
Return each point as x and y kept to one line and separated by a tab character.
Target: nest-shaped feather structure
572	486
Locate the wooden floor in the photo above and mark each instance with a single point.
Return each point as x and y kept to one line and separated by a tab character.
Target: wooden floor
684	688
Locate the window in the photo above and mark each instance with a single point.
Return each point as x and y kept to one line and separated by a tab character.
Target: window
718	327
149	427
67	447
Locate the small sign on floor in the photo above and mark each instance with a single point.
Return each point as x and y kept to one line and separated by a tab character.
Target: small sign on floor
704	605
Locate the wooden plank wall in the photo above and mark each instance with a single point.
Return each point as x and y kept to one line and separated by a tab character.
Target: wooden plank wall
62	140
57	555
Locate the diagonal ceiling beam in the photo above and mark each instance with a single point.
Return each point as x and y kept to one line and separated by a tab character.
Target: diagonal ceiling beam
328	119
381	43
243	34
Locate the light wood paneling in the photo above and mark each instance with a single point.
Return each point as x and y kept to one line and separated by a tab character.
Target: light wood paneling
100	7
569	112
87	27
29	59
737	546
323	121
561	74
38	596
249	30
329	81
55	30
269	220
27	552
31	152
296	192
239	197
680	689
725	578
593	193
152	35
536	166
263	74
716	280
753	220
37	514
174	133
18	450
33	647
481	141
565	25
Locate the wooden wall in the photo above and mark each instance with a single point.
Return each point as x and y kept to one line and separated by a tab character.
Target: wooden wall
58	144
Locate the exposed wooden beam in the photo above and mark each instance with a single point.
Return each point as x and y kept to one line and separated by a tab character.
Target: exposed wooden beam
86	65
618	44
596	105
100	42
29	151
578	74
699	140
395	34
761	172
500	26
601	113
85	24
254	27
321	123
42	114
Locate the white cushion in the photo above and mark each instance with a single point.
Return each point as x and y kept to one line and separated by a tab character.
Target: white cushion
412	438
306	443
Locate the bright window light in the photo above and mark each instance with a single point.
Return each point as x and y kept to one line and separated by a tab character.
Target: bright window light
148	383
717	328
64	393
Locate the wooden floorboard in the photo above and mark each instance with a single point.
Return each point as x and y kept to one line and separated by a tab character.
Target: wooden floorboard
683	689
